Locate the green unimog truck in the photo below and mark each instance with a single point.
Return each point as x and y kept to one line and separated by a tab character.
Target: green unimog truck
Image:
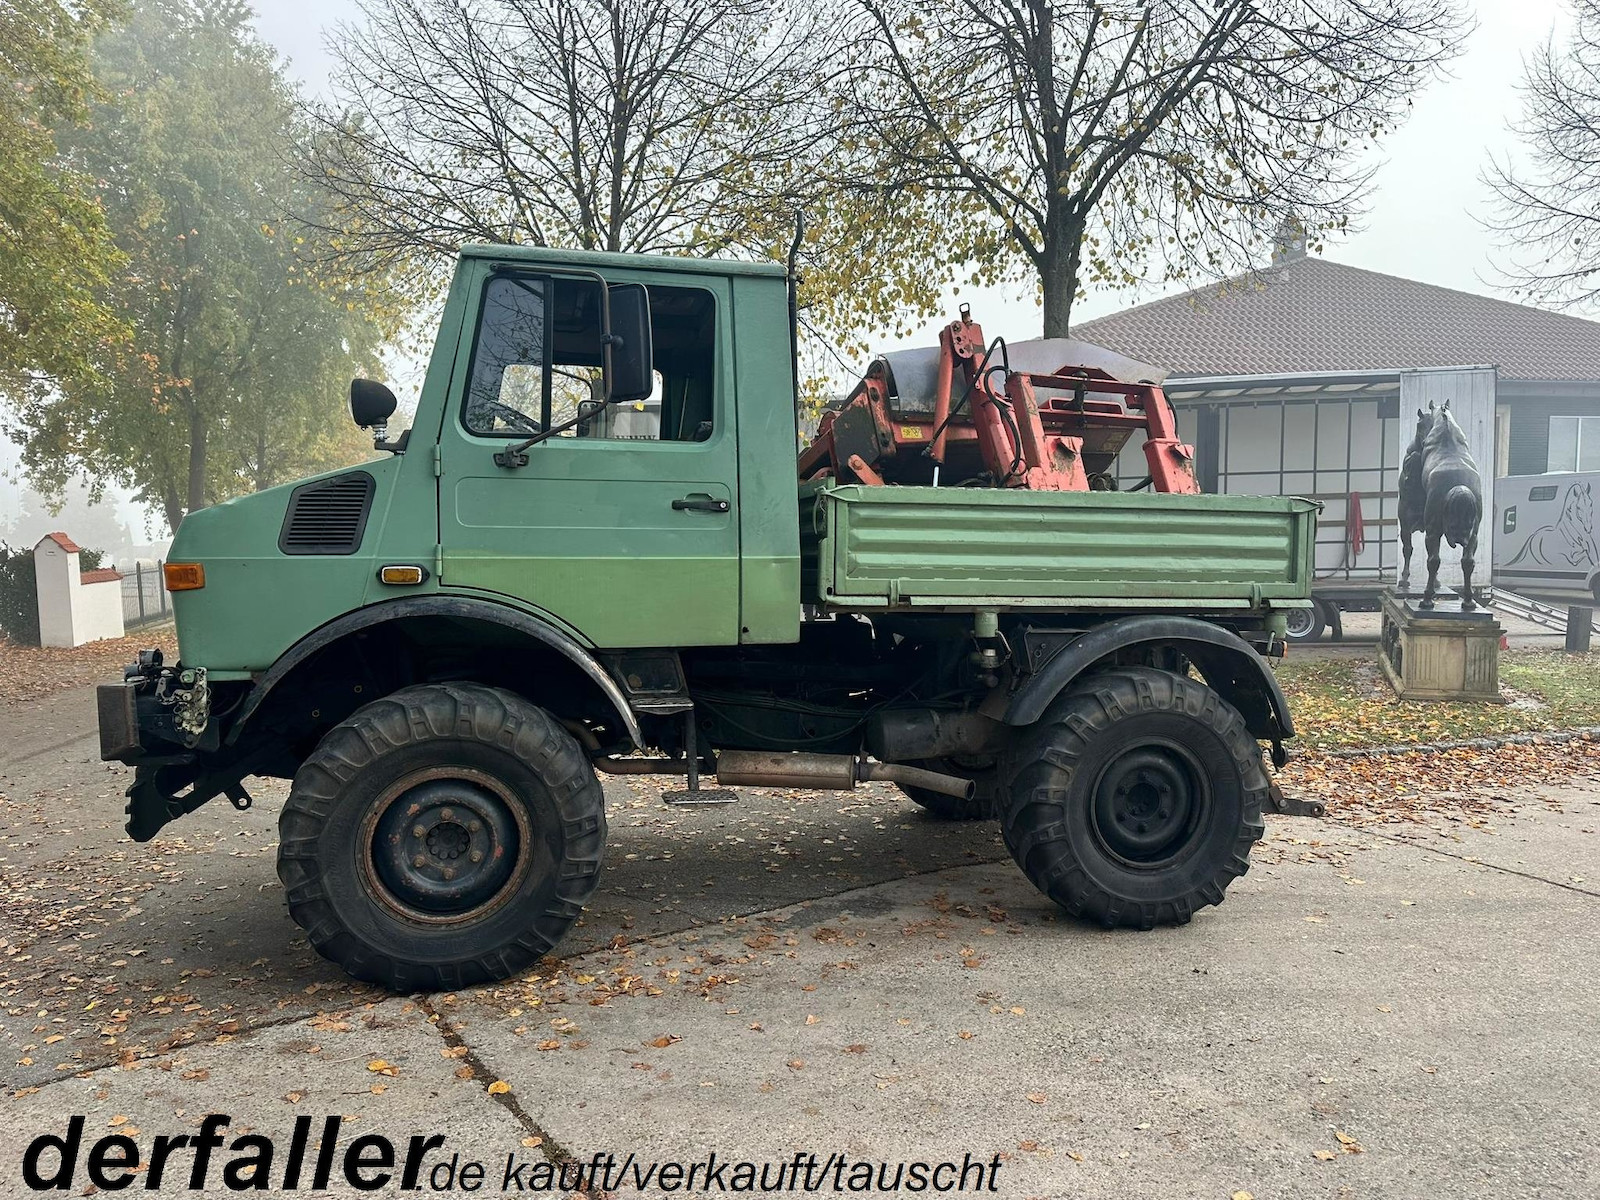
590	551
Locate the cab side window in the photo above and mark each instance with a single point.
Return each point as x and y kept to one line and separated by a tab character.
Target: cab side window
536	363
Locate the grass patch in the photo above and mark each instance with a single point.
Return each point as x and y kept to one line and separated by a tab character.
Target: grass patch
1344	703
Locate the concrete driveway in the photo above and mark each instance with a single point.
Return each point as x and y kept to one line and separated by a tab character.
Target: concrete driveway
1402	1013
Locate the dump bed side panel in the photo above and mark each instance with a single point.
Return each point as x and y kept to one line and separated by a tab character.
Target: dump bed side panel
914	547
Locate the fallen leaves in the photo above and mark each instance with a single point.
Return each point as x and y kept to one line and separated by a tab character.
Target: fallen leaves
1037	1097
31	672
1348	1144
380	1067
499	1088
665	1040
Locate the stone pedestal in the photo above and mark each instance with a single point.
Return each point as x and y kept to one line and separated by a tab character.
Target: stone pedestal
1440	653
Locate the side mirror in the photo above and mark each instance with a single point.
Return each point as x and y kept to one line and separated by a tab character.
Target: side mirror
632	352
371	403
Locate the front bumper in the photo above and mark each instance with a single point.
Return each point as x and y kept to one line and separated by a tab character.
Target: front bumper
158	720
156	712
118	707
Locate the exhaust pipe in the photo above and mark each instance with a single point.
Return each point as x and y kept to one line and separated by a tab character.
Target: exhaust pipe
828	772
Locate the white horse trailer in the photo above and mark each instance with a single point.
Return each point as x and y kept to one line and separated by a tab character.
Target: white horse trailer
1546	544
1337	438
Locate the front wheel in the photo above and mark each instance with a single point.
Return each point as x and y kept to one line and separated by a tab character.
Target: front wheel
1135	799
443	836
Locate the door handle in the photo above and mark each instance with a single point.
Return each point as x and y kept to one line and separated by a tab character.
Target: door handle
700	503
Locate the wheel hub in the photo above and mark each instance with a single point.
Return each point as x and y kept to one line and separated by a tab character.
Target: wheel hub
445	846
1145	805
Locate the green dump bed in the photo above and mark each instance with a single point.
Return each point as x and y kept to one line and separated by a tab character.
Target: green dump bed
916	547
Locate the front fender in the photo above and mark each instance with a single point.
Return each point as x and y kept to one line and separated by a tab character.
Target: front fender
441	606
1229	664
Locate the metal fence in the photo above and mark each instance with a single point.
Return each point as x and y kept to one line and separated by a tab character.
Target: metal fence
144	599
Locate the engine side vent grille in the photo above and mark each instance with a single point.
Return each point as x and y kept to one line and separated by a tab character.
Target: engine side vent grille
327	516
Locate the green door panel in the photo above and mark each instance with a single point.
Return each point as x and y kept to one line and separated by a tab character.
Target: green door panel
587	529
610	555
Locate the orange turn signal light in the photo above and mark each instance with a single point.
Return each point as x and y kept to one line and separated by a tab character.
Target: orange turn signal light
184	577
403	574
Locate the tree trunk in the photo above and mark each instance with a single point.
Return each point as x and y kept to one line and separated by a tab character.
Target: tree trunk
1058	277
196	491
172	506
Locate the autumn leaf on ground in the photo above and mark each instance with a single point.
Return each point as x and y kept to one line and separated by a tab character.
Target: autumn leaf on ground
379	1067
856	1048
1037	1097
1351	1146
665	1040
796	1064
499	1087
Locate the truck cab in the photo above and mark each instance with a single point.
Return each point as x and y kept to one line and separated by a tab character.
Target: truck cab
591	551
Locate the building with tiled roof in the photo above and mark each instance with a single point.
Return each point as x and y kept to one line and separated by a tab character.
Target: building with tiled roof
1309	316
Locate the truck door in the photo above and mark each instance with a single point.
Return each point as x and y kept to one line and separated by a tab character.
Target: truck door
625	527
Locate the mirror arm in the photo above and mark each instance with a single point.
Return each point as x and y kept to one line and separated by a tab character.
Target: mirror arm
381	442
516	456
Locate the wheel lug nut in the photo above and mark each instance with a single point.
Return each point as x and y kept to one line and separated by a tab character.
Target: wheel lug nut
449	872
1143	828
474	826
446	814
476	856
418	831
419	861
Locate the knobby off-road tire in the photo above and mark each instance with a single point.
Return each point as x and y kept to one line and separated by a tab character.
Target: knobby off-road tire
443	836
1135	799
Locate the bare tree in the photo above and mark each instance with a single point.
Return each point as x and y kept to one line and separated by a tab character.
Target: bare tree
629	125
1549	209
1094	142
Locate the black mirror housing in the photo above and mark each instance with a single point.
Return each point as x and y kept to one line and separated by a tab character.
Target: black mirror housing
632	350
371	403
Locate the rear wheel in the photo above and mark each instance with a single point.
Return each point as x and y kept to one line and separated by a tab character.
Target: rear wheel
442	836
1307	624
1135	799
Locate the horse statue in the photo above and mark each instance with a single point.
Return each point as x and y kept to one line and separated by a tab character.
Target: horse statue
1451	500
1413	496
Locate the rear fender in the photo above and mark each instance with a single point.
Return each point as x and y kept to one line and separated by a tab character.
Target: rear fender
1229	664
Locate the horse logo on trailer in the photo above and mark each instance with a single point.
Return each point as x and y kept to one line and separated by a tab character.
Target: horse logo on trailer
1569	540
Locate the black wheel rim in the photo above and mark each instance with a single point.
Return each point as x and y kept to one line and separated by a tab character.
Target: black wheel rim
1148	803
446	846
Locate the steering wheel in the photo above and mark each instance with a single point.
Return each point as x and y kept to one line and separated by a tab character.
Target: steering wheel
513	419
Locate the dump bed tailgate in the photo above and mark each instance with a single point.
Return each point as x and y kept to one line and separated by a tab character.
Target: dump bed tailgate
914	547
